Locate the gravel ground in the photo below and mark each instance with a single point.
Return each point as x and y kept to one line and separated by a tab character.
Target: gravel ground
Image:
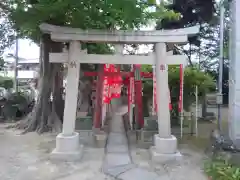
26	157
189	168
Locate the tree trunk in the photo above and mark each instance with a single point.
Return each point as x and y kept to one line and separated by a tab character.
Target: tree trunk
204	106
47	115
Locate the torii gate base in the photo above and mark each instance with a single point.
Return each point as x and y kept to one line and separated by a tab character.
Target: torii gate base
165	149
67	142
67	148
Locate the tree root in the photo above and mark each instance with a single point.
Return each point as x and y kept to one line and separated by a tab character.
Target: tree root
22	124
31	124
54	122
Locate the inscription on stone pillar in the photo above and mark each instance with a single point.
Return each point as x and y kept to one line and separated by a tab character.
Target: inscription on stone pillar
162	67
72	64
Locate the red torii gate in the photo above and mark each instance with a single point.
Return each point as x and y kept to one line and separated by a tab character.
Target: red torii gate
124	74
138	93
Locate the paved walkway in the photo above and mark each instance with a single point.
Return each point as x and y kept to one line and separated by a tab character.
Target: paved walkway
117	162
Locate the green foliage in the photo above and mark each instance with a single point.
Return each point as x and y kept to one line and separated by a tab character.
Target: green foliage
6	36
6	82
192	78
26	16
221	170
16	102
86	14
18	98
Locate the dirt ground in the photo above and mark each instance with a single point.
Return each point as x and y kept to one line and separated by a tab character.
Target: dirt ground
26	157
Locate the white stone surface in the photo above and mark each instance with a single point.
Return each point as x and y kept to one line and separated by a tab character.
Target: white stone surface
117	59
165	145
164	149
67	147
70	109
162	91
138	174
234	74
65	34
163	157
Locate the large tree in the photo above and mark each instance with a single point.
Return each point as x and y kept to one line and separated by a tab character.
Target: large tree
7	35
26	17
193	12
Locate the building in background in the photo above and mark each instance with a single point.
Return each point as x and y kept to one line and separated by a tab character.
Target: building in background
27	69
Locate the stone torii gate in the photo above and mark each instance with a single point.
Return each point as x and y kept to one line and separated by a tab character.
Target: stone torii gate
67	142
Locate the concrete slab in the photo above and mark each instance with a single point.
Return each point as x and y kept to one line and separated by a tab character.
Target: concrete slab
138	174
67	156
157	157
117	130
117	170
67	148
111	148
117	138
117	159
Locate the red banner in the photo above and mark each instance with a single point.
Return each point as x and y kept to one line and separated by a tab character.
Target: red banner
106	89
111	84
132	90
155	92
116	85
181	89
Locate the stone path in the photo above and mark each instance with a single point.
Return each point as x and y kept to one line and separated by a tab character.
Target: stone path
117	162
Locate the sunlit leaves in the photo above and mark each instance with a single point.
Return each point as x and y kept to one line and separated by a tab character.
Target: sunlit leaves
87	14
7	36
192	78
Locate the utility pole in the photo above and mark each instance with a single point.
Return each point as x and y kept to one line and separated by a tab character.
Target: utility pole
221	61
16	66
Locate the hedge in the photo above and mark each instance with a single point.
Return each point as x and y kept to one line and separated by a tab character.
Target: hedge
6	82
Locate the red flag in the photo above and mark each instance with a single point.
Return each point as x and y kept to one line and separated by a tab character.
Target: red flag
181	89
116	83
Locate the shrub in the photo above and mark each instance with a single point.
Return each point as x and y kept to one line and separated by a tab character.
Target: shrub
16	104
6	82
220	169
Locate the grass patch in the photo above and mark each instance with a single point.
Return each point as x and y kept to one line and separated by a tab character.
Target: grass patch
220	169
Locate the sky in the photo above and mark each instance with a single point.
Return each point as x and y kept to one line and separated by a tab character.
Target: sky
27	50
30	51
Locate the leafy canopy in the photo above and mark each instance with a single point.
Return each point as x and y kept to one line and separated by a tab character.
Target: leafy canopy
87	14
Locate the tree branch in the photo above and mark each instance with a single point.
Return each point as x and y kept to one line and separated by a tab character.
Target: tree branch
4	8
181	50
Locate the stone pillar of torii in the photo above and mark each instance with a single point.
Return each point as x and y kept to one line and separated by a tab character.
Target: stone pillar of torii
67	142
